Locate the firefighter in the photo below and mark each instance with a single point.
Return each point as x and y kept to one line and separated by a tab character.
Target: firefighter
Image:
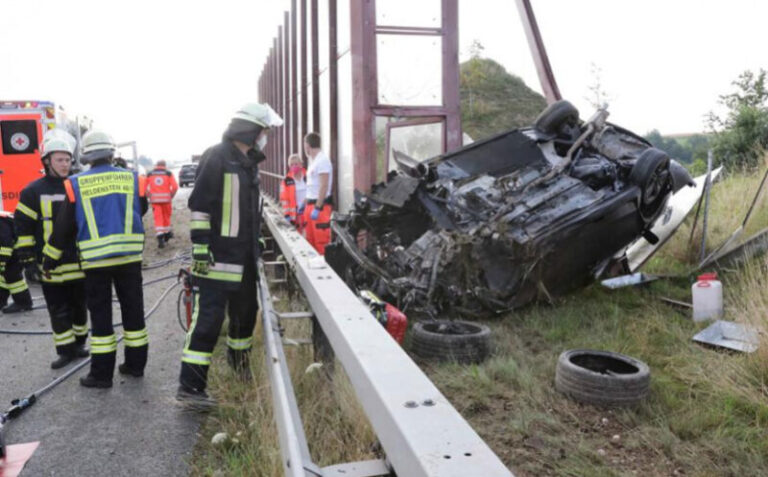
225	235
12	283
317	213
63	286
102	214
293	192
161	187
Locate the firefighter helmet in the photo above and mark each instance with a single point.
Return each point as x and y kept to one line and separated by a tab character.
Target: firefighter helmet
97	145
58	140
261	114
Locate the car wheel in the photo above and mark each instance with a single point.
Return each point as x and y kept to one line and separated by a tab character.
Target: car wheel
555	116
602	378
446	340
651	174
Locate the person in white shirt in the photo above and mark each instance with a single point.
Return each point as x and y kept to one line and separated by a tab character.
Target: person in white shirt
318	209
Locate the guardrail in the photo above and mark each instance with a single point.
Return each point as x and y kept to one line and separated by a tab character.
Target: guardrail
421	432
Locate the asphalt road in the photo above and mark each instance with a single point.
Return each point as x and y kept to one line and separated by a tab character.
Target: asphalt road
135	428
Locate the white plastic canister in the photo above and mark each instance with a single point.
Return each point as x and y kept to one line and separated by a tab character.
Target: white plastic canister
707	298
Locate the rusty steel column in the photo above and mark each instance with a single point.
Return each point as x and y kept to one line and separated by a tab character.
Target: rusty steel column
315	69
451	99
364	92
280	95
286	127
304	114
294	81
539	52
333	71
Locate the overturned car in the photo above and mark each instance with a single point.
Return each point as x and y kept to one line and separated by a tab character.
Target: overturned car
528	214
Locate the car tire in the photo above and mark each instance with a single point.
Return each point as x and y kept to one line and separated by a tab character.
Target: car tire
447	340
551	120
602	378
652	175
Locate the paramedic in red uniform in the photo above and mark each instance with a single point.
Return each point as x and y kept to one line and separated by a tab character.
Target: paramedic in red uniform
317	213
293	192
161	187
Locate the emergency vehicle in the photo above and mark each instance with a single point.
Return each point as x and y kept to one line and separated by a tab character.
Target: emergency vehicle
22	126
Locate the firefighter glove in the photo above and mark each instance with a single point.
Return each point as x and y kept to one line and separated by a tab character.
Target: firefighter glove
48	265
315	214
202	257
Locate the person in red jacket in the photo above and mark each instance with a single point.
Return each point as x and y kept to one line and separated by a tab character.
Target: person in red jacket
161	187
317	213
293	191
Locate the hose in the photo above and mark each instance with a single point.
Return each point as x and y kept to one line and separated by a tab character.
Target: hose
19	405
48	332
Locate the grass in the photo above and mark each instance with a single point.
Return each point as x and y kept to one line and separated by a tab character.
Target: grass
706	416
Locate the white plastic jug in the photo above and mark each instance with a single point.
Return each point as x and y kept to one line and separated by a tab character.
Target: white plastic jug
707	298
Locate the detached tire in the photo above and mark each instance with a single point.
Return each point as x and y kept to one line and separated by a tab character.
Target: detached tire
445	340
555	116
602	378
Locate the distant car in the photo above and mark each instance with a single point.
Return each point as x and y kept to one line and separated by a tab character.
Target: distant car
187	174
528	214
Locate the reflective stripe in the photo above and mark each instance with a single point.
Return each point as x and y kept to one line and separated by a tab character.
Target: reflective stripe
199	248
52	251
103	344
17	287
200	225
46	207
6	251
111	239
128	213
80	330
64	338
25	241
223	272
63	273
230	206
200	216
109	262
240	344
26	211
194	357
100	252
93	230
134	339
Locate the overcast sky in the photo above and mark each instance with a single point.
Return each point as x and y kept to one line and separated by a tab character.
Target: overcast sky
169	75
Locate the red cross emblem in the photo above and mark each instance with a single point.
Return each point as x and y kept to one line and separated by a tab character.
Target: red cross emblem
19	141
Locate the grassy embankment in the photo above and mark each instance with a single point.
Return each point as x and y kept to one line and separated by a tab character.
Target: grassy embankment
707	413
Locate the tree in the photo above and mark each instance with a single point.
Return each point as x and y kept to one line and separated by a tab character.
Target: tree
597	97
741	136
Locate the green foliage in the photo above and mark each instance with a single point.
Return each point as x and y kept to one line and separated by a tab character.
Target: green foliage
687	150
492	100
742	135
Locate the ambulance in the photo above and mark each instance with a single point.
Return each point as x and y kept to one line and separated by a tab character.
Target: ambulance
22	127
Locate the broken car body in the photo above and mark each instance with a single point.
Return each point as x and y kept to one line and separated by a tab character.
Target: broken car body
527	214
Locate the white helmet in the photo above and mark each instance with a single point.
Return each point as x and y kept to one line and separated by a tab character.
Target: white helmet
261	114
58	140
97	145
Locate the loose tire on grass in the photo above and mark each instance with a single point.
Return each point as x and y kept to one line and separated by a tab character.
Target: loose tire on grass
555	116
602	378
446	340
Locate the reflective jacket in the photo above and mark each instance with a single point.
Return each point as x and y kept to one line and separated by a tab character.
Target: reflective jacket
288	198
39	205
104	208
7	235
225	217
161	185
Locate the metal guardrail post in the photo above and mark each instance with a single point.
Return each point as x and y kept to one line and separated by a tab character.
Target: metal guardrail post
293	442
421	432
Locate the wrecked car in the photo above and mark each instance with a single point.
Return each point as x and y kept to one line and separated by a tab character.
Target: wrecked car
528	214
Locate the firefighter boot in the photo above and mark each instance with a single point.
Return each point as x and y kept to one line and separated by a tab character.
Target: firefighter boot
92	382
168	236
195	400
160	241
240	363
21	302
127	370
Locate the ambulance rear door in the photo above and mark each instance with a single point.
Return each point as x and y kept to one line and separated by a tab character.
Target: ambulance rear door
22	135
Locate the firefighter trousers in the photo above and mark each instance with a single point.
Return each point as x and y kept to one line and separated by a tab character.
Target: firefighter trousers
98	291
210	306
12	283
162	213
318	232
69	315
